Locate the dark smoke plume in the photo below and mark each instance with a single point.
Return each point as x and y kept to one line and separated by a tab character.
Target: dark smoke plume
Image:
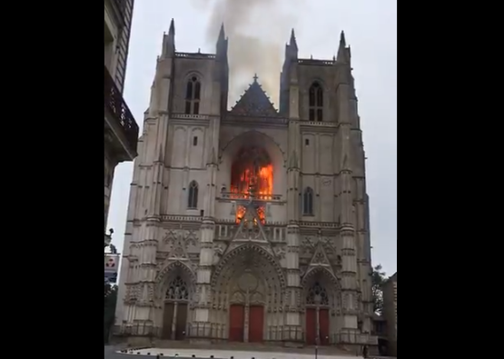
258	31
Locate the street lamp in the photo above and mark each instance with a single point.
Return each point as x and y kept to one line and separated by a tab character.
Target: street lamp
108	237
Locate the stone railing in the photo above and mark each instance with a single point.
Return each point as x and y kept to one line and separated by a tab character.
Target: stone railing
228	231
245	196
180	218
316	62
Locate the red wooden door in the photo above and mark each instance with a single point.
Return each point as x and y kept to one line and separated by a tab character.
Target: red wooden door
236	322
256	320
324	326
180	326
167	321
311	326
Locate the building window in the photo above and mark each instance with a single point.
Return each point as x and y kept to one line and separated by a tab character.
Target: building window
317	294
308	202
307	142
315	102
195	141
192	199
192	98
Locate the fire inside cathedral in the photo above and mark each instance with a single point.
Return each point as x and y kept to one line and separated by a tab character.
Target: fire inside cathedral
249	224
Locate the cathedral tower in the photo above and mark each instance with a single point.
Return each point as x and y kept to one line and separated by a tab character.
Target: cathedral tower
248	224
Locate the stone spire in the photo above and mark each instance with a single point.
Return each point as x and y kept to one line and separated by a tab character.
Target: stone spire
292	41
169	42
291	49
343	51
222	45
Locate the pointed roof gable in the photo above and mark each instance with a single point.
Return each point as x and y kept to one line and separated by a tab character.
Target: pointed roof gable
250	227
254	102
319	257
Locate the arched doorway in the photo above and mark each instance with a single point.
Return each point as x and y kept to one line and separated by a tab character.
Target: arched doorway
175	309
176	294
247	295
321	293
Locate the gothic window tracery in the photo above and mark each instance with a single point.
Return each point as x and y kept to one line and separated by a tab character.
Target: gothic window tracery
308	202
192	199
192	97
315	102
317	294
177	290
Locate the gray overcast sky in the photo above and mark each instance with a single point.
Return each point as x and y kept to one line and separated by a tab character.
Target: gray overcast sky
371	30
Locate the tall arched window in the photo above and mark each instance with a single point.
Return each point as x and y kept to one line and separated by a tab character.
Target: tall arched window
315	102
192	98
308	202
192	199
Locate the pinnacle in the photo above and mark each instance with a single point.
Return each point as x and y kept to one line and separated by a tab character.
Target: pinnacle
342	39
172	27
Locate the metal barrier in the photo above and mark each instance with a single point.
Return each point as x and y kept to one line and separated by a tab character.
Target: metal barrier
220	332
137	329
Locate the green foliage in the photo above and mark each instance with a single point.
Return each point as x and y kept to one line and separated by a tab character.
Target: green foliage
378	277
110	299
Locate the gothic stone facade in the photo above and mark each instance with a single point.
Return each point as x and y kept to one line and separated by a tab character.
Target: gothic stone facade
249	224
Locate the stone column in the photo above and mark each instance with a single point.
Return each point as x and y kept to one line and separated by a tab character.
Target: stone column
148	244
204	273
348	248
292	306
347	210
145	311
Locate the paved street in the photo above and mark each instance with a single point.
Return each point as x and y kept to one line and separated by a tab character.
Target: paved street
218	354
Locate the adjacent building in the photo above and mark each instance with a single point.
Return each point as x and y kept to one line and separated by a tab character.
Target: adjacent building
121	129
390	313
249	224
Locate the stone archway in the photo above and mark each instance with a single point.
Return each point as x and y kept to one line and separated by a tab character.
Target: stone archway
258	142
175	291
322	298
248	288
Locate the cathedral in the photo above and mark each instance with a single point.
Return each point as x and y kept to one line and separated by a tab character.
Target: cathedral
248	224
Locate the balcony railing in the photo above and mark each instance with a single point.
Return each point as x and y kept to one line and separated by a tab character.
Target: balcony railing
116	106
118	8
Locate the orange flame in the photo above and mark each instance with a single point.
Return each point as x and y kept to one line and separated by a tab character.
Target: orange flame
261	182
240	212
